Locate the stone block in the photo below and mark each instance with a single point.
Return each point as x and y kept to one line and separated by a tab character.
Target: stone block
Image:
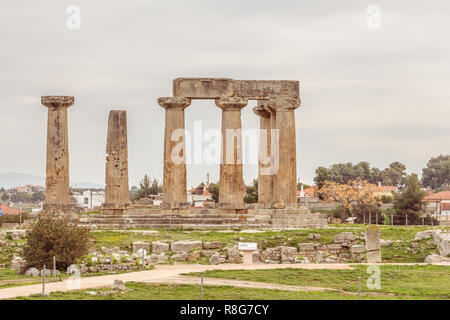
158	247
306	246
185	246
137	245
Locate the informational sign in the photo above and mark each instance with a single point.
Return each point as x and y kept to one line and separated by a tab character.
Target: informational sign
248	246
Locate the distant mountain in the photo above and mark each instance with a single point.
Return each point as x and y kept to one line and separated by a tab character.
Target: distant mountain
9	180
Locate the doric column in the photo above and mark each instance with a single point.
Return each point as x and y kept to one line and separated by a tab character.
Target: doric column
265	178
283	120
57	186
174	183
116	191
231	182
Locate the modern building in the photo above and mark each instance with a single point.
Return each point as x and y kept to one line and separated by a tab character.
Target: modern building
89	199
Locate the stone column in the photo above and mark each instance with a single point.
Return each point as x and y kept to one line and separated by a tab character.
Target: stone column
174	182
57	186
373	248
265	181
231	184
117	196
285	179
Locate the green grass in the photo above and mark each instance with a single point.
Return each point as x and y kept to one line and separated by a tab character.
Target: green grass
412	282
141	291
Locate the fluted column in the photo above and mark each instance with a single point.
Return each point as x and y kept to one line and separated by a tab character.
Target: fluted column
57	185
117	196
174	182
285	179
231	182
265	178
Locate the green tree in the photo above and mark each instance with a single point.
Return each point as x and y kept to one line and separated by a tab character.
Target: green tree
436	175
322	175
155	187
251	192
5	197
409	201
213	188
144	188
395	174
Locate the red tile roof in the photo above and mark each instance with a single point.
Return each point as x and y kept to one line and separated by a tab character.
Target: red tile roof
444	195
8	210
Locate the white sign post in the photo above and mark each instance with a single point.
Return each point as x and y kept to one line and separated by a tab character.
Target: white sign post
247	249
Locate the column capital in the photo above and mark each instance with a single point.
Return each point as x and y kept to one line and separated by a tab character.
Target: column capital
283	104
231	103
57	102
260	111
174	103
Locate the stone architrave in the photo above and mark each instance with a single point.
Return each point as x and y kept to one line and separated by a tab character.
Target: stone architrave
174	180
57	185
373	248
231	184
116	190
265	179
285	178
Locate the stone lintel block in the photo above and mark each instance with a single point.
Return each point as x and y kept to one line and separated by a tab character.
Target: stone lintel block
213	88
56	102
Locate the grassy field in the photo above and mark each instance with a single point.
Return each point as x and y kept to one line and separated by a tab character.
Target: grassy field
141	291
406	282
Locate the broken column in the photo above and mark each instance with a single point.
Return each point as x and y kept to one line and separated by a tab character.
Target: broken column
373	248
174	181
117	196
231	182
285	178
265	173
57	186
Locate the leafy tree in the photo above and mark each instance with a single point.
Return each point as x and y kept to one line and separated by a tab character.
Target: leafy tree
54	236
20	197
409	201
144	188
213	189
436	175
395	174
37	196
155	187
355	191
345	172
322	175
251	192
5	197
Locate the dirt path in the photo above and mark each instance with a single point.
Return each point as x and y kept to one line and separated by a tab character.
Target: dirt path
235	283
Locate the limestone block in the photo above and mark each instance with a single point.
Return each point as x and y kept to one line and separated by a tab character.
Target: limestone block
185	246
306	246
373	248
137	245
158	247
344	237
212	245
355	249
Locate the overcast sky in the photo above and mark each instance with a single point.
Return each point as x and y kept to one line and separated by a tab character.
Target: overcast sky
367	95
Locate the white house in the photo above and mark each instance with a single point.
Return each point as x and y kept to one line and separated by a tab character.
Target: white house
89	199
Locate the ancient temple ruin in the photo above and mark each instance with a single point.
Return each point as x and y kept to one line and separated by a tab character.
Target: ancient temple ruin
276	100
